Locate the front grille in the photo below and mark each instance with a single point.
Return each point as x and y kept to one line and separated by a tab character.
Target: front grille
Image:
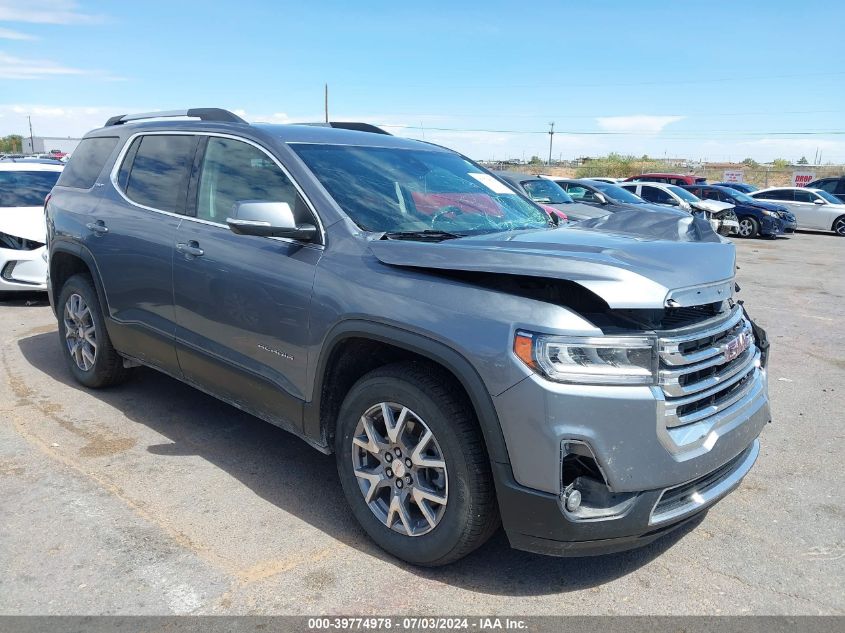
705	371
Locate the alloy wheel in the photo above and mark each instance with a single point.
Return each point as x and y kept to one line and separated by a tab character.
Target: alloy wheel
745	228
400	469
839	227
80	332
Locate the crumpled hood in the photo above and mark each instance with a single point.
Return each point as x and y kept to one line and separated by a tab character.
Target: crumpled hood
25	222
631	259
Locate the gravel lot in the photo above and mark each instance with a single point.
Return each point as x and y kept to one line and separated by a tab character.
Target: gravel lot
152	498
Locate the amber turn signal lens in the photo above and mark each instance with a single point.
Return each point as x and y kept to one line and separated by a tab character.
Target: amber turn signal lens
523	347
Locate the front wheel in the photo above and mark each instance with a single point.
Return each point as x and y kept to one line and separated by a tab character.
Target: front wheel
413	466
839	226
748	227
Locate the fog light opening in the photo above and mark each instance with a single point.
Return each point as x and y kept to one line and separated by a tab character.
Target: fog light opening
585	494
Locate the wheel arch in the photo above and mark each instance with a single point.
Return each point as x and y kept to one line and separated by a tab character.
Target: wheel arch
66	260
835	220
395	343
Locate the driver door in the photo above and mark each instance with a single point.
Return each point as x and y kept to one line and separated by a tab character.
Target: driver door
242	302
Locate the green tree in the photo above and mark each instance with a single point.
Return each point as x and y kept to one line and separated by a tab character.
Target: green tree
750	162
535	160
803	161
13	143
780	163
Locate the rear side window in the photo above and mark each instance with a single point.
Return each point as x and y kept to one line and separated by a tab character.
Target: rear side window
87	161
25	188
776	194
157	169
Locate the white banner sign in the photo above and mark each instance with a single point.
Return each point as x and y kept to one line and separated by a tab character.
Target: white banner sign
733	175
802	178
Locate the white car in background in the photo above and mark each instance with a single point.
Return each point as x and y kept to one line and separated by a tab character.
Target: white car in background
23	187
813	208
719	214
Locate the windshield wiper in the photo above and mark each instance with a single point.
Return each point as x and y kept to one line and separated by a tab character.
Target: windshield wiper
428	235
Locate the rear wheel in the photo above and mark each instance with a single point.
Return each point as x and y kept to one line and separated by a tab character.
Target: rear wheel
85	342
413	465
748	227
839	226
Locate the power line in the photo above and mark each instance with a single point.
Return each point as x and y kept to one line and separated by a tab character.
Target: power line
702	133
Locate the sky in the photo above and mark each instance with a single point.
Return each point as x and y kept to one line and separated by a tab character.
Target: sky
712	81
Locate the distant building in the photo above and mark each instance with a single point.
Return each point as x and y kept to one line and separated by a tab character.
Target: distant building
45	144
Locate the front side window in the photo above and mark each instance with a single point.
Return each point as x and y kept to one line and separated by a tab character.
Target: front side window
157	170
580	193
804	196
546	191
683	194
656	195
87	161
824	195
399	190
618	193
234	171
26	188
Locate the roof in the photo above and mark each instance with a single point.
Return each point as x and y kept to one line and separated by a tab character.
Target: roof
814	189
286	133
30	166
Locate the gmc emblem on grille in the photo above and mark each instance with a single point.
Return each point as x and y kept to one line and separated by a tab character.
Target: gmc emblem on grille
737	346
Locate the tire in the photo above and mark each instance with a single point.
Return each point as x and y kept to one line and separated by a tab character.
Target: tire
838	226
79	306
447	531
748	227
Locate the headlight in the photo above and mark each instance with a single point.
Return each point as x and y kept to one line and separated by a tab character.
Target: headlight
596	360
773	214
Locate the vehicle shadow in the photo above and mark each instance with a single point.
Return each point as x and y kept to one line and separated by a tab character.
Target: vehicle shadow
20	299
285	471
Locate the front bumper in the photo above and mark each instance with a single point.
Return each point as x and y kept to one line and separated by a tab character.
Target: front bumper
770	226
663	453
23	270
537	522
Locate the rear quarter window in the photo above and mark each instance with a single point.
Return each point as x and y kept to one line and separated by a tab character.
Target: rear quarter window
156	171
87	161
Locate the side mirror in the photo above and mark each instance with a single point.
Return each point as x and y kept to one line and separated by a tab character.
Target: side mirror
819	201
268	219
600	197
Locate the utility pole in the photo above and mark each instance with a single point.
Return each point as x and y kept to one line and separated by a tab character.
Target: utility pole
326	101
31	138
551	138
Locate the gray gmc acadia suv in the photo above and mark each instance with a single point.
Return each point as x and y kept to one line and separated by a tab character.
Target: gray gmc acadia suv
590	386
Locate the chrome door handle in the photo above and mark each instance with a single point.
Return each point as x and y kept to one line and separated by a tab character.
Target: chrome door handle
97	227
192	249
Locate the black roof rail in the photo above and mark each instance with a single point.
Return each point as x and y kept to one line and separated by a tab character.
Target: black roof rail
351	125
204	114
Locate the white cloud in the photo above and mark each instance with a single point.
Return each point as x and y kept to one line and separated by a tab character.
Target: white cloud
637	123
20	68
12	67
45	12
9	34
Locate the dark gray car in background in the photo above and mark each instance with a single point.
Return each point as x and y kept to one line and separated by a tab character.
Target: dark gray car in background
546	192
591	386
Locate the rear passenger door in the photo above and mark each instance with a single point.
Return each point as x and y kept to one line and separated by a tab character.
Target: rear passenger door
242	301
131	234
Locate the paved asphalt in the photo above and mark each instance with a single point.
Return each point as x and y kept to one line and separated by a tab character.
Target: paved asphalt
152	498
